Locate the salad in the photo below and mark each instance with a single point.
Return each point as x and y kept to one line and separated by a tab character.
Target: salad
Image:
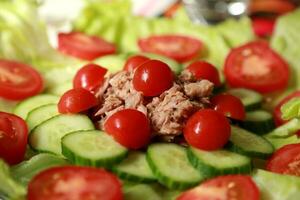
133	108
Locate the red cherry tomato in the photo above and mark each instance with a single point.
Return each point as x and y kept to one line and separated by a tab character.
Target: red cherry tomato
84	46
180	48
224	187
207	130
74	182
13	138
256	66
205	70
89	77
152	78
272	6
263	27
18	81
76	100
134	62
129	127
229	105
285	160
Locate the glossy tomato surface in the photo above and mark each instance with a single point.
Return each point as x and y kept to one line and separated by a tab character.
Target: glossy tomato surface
256	66
18	81
129	127
74	183
285	160
263	27
135	61
239	187
76	100
207	129
13	138
180	48
84	46
152	78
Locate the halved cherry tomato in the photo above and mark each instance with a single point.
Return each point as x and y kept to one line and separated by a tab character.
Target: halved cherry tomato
129	127
272	6
263	27
89	77
134	62
76	100
152	78
227	187
18	81
74	183
256	66
205	70
180	48
207	130
229	105
285	160
84	46
13	138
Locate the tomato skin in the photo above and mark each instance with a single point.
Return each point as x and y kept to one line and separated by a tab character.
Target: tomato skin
135	61
152	78
13	138
76	100
285	160
205	70
207	130
224	187
256	66
229	105
272	6
178	47
263	27
89	77
18	81
74	182
84	46
129	127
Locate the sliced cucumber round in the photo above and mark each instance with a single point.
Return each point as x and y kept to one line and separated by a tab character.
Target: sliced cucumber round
92	148
220	162
170	165
251	100
135	168
249	144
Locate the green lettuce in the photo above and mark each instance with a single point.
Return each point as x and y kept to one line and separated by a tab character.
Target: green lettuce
291	109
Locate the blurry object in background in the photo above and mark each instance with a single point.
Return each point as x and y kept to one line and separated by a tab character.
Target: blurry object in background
276	7
151	8
263	27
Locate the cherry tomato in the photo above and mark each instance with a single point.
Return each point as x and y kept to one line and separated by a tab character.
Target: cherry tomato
263	27
207	130
152	78
205	70
74	183
89	77
76	100
272	6
84	46
285	160
229	105
256	66
180	48
129	127
13	138
227	187
18	81
134	62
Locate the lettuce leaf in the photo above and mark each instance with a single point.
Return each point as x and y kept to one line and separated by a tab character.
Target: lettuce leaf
291	109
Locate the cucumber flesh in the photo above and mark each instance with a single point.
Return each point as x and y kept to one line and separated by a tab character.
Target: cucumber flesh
135	168
92	148
46	137
170	165
251	100
60	89
220	162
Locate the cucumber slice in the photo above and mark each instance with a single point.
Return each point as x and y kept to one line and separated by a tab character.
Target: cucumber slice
135	168
220	162
113	63
259	122
171	166
92	148
251	100
46	137
60	89
249	144
41	114
24	107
